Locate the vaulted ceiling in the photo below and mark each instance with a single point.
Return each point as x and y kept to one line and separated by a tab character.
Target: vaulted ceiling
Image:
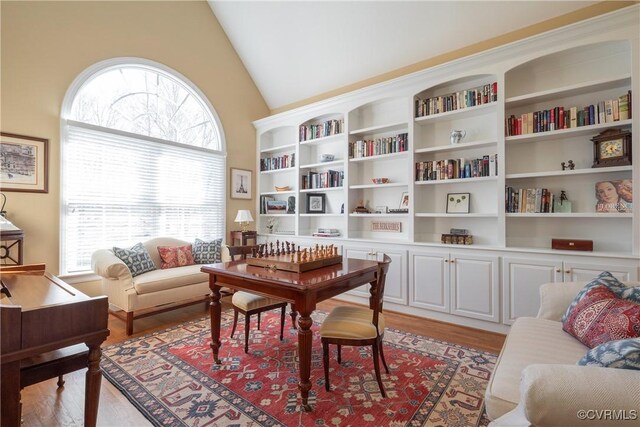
296	50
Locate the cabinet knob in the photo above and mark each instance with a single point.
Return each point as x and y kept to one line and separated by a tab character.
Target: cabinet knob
558	270
568	271
452	261
446	260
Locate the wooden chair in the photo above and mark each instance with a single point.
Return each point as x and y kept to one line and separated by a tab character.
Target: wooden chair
357	326
248	303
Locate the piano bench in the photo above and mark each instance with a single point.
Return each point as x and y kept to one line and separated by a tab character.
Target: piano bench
53	364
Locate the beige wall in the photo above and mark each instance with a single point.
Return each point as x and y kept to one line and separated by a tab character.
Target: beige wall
45	45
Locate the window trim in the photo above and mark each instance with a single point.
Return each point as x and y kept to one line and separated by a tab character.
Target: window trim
67	103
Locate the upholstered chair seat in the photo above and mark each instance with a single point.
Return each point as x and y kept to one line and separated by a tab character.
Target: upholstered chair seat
248	301
351	322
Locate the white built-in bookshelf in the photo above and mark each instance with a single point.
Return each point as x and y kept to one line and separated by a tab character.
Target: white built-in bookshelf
579	66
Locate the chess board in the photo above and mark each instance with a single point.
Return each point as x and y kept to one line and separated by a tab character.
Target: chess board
285	256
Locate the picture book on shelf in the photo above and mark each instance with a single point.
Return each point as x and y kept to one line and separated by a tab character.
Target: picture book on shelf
614	196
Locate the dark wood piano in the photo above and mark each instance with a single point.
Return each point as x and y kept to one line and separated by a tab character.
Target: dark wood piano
47	328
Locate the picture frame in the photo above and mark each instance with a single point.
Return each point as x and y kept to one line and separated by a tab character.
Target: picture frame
316	202
277	207
240	183
404	200
24	163
458	202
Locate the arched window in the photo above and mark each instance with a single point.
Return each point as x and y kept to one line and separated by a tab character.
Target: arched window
142	156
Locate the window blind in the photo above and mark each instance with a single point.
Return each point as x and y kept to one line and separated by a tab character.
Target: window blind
119	189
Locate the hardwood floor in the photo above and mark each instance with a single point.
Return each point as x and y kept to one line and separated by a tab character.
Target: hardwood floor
44	404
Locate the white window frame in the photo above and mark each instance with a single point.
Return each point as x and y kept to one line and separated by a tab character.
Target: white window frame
65	120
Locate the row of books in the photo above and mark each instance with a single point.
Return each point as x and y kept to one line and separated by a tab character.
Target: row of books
327	232
278	162
379	146
320	130
528	200
434	170
458	100
608	111
327	179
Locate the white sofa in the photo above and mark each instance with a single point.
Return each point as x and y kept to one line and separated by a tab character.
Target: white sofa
536	380
177	286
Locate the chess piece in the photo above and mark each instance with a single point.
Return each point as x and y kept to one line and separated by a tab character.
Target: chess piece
293	247
288	247
298	256
335	250
271	251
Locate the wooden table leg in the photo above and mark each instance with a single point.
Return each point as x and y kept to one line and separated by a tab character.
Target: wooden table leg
305	341
215	312
10	392
294	315
93	379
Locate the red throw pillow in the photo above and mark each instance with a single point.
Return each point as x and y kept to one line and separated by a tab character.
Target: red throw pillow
177	256
601	316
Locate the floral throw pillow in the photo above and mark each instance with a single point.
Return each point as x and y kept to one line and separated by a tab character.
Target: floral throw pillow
177	256
622	354
136	258
207	252
607	279
600	316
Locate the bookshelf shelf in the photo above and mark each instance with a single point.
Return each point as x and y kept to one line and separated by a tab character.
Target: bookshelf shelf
570	215
275	171
272	193
462	113
446	215
323	140
570	90
457	147
380	157
324	215
379	215
388	185
592	171
322	165
320	190
457	180
286	147
564	133
390	127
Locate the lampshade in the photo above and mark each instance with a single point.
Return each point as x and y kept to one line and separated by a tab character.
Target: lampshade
243	216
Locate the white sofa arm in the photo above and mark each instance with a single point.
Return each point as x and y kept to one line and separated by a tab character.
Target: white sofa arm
104	263
567	395
556	297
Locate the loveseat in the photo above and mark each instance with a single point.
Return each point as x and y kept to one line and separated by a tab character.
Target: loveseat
178	286
537	382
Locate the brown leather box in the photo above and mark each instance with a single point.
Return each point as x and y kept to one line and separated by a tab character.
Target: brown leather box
572	244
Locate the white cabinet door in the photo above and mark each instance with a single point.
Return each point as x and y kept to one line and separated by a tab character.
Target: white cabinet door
475	286
429	280
521	280
396	284
577	272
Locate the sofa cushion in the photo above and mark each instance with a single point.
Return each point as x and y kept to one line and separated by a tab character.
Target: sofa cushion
607	279
207	252
623	354
159	280
136	258
600	316
530	340
175	256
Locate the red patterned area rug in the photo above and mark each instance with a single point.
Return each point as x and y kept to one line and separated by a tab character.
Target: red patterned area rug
169	376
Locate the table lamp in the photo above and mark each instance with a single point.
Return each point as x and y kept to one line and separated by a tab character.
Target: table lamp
244	218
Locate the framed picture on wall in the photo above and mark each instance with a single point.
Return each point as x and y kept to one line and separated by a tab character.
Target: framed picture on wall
24	163
240	183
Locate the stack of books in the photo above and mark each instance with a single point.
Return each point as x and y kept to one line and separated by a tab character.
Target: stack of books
327	232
